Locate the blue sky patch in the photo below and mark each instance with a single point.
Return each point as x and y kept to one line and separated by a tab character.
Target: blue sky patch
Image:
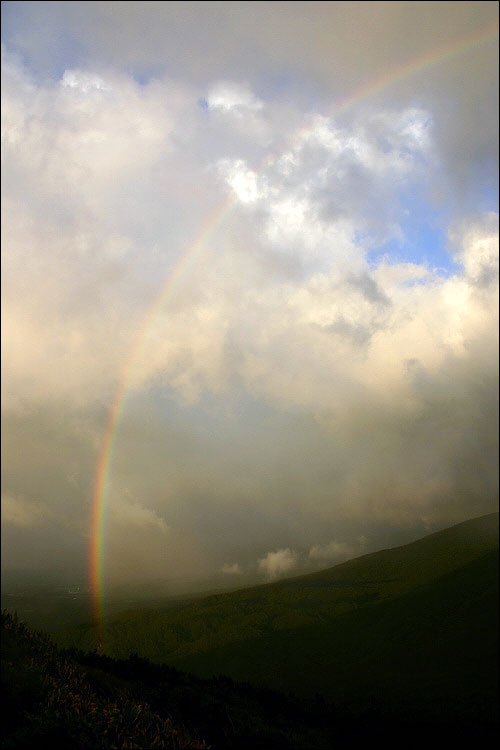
424	238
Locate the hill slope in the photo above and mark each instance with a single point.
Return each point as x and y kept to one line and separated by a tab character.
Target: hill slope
432	652
401	631
49	700
403	642
312	599
72	700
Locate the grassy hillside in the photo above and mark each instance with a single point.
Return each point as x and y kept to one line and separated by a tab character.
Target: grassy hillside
433	651
409	631
311	600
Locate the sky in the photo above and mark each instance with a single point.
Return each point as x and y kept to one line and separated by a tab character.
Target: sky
249	283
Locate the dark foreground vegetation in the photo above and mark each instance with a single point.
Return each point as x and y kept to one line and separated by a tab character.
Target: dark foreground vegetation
70	699
51	700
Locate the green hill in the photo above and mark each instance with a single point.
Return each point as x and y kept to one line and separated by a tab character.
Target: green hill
431	651
314	599
400	643
403	630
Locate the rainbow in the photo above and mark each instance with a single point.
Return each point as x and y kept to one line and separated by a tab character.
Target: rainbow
101	484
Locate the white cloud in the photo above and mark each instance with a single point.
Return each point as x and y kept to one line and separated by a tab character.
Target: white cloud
478	248
83	81
276	564
229	96
70	237
329	184
108	184
238	113
245	183
135	515
333	551
71	335
232	569
76	164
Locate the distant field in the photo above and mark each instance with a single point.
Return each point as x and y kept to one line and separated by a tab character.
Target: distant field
53	607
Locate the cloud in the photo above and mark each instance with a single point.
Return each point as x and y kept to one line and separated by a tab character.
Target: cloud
77	156
83	81
291	50
331	183
85	143
135	515
243	181
304	355
333	551
276	564
20	512
477	248
230	96
231	569
88	295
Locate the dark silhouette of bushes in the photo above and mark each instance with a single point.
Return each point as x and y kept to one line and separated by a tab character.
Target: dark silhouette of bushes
72	699
50	700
